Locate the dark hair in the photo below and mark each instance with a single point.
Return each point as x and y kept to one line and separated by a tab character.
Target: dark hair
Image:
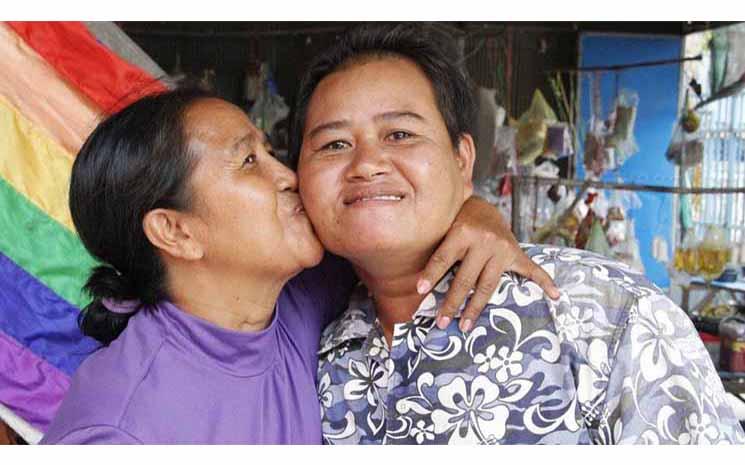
435	53
134	161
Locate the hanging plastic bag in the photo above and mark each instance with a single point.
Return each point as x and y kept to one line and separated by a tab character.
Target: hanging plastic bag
530	137
617	230
622	138
690	121
660	249
504	151
685	150
544	206
490	117
628	251
558	141
585	227
532	128
598	158
269	108
718	47
597	241
735	53
561	229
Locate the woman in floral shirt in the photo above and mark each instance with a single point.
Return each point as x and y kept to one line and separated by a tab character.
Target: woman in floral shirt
385	164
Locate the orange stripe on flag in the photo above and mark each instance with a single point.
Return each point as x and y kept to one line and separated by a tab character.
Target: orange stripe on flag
42	95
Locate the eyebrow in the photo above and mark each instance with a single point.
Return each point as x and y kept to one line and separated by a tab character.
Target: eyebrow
327	127
248	139
390	115
387	116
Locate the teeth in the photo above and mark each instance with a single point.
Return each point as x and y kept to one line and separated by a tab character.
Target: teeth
381	197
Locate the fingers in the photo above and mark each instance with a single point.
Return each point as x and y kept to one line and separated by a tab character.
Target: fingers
485	288
460	286
447	254
526	267
481	272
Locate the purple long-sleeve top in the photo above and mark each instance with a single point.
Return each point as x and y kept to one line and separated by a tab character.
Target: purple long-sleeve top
173	378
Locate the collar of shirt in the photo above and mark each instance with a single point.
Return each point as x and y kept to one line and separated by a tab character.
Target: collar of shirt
359	321
238	353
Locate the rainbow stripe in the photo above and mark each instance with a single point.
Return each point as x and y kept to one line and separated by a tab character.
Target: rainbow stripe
57	79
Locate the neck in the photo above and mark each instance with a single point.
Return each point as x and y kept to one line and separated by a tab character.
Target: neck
233	301
392	282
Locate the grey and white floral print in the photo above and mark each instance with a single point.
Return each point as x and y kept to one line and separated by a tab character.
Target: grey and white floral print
612	361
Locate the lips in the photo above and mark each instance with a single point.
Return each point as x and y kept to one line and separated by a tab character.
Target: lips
373	195
290	204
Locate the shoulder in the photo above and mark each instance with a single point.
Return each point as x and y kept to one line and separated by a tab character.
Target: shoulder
102	387
591	281
570	266
607	304
600	297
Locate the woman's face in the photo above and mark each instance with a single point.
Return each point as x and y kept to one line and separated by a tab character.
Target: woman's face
247	213
378	171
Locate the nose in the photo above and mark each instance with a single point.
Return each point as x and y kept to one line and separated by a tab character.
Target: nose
284	178
369	161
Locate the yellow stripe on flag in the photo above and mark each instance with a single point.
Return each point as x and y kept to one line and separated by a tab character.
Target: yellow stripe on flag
35	165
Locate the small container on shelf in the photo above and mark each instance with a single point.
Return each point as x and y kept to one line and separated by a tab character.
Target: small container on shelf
713	253
729	276
713	345
732	334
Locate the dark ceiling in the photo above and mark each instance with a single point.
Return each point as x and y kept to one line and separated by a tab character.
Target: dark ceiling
254	29
228	48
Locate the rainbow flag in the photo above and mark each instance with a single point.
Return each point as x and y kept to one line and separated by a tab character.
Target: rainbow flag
57	80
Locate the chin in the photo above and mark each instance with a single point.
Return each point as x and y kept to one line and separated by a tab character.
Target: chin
366	245
381	236
311	255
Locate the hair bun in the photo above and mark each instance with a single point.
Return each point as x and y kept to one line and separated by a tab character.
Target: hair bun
106	282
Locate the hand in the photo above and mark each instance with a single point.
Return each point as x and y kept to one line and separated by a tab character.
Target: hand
481	240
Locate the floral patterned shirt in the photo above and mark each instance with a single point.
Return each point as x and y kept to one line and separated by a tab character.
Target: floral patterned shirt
612	361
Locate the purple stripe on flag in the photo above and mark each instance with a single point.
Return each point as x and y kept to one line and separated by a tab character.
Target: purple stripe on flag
29	386
40	320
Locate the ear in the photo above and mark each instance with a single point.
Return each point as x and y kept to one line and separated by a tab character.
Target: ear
173	233
466	157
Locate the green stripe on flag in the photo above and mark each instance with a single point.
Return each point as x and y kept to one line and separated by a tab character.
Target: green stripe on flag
43	247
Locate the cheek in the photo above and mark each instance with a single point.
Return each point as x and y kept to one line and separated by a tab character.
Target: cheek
251	206
427	177
437	185
317	187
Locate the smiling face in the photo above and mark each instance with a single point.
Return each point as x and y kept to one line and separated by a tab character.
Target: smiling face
378	171
246	210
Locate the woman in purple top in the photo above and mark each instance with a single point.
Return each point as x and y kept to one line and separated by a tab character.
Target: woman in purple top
210	333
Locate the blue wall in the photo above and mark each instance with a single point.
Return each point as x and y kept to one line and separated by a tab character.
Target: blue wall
658	99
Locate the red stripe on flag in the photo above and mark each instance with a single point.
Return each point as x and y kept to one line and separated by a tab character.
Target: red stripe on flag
108	80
